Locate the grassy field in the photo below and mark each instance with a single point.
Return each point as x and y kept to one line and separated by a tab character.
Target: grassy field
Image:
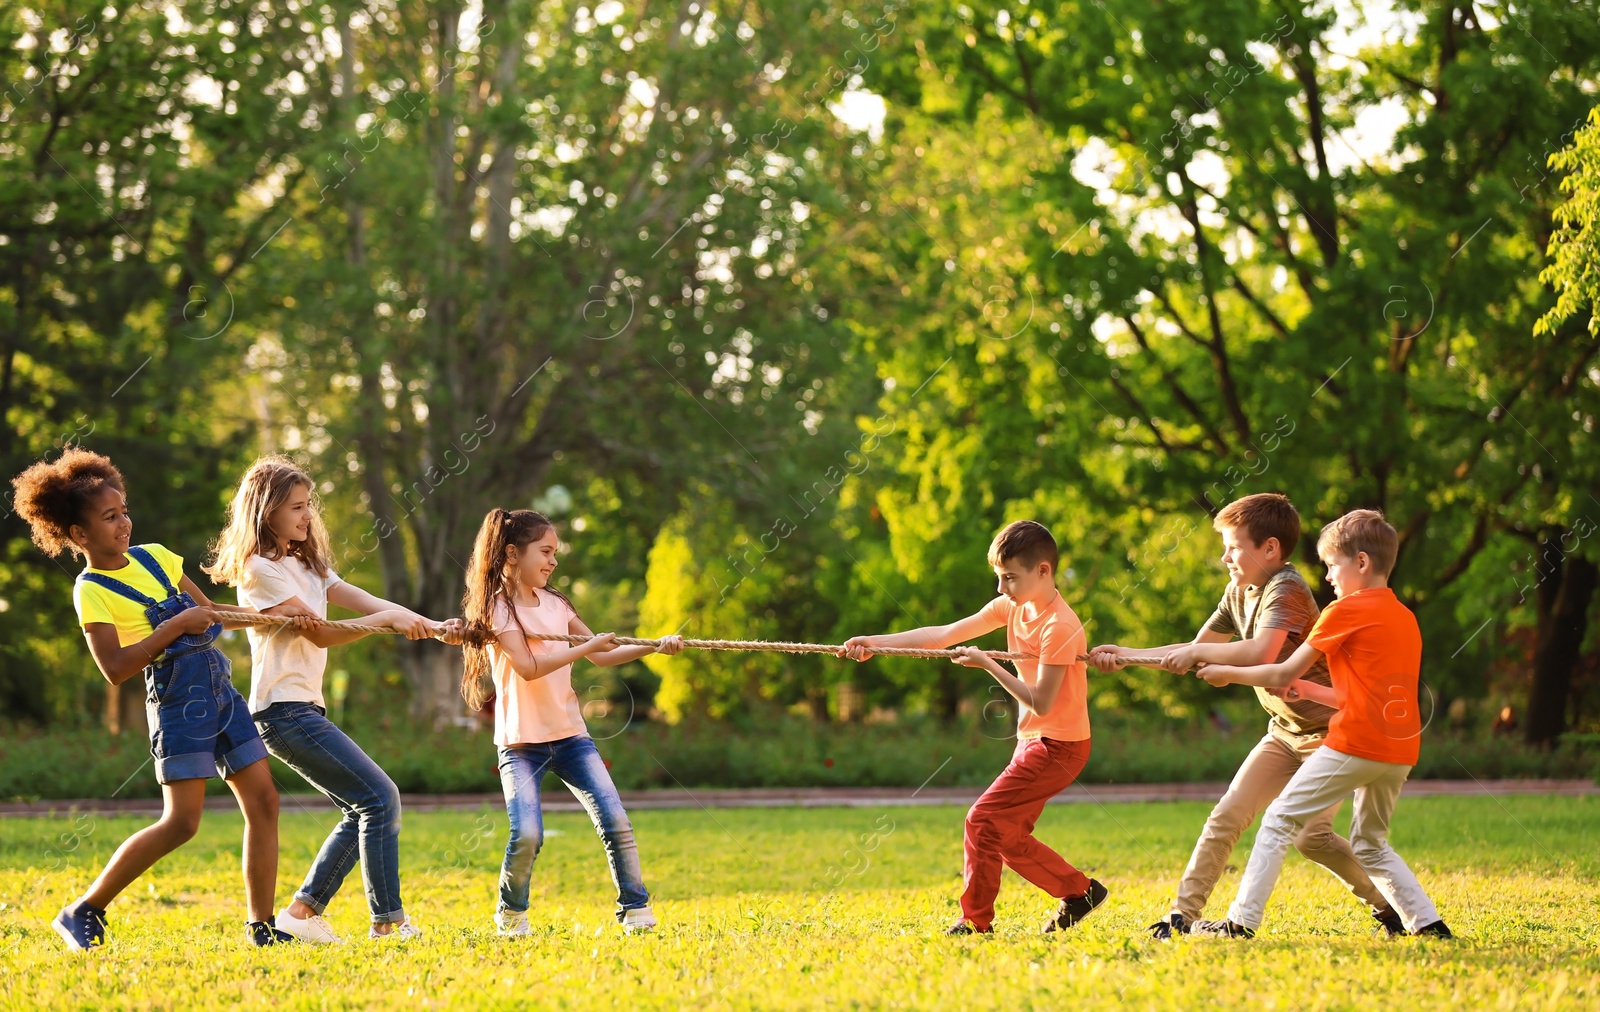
794	908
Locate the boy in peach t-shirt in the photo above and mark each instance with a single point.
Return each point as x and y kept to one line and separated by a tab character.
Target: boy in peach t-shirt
1051	689
1374	652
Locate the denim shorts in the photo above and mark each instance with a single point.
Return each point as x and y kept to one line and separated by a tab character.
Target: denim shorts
199	724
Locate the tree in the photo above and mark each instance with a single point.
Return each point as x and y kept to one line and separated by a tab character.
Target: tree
133	138
555	243
1217	271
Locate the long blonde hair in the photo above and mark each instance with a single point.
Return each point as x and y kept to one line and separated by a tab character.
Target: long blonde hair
486	587
268	484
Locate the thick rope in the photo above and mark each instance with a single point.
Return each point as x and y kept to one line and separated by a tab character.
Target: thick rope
252	618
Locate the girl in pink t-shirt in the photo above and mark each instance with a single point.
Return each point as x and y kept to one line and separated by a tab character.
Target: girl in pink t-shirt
538	726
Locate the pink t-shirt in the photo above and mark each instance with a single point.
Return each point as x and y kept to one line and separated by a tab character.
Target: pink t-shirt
527	712
1055	636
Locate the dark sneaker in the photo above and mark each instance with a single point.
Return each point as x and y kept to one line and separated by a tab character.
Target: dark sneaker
1075	908
1164	929
1438	929
963	928
1393	926
83	926
264	933
1221	929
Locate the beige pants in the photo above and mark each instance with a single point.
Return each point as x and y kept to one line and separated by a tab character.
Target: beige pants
1330	776
1266	771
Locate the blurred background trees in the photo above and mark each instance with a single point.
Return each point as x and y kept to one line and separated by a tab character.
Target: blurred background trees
783	307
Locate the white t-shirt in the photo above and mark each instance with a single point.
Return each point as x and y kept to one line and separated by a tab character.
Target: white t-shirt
284	665
544	709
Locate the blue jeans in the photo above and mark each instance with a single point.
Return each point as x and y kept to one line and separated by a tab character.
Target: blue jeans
199	724
309	743
577	762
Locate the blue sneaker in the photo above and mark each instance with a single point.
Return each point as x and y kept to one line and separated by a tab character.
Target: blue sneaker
81	925
264	933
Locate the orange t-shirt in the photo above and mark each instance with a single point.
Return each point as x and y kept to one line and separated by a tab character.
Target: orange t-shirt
1055	636
543	709
1374	652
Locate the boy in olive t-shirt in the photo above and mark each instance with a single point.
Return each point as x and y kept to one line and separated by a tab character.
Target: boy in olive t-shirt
1269	608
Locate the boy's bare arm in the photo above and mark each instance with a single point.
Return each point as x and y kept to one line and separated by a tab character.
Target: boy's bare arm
1259	649
1112	657
1265	675
1302	689
928	637
1038	698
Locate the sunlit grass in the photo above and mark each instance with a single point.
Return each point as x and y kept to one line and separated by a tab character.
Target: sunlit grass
821	907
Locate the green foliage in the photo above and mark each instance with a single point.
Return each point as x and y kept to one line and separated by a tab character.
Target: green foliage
1574	269
1107	267
775	751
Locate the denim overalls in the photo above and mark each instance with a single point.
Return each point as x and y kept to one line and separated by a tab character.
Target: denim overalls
199	724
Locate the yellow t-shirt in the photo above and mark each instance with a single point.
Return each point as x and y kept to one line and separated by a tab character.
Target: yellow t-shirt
101	604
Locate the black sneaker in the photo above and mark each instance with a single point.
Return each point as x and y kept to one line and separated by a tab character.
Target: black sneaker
1438	929
1164	929
1393	926
1075	908
1221	929
963	928
264	933
81	925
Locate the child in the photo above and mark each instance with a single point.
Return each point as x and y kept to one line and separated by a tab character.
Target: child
140	612
1374	654
1052	733
537	724
1270	608
275	550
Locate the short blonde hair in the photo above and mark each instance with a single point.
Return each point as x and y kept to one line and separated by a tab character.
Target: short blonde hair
1361	531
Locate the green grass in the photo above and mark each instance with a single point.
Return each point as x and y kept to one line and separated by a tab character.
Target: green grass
822	908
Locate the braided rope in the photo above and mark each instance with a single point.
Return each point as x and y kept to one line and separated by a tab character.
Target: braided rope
253	618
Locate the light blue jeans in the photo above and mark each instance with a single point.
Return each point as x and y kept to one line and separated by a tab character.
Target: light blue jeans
577	762
302	736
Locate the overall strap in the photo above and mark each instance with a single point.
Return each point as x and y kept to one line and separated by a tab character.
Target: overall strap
116	587
148	561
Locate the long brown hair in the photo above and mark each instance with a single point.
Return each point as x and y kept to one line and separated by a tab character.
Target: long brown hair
268	484
486	586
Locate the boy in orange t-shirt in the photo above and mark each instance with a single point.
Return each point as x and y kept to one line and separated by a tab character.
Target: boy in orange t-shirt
1374	652
1051	689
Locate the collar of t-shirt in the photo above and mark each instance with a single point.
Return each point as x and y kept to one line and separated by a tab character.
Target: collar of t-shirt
1252	599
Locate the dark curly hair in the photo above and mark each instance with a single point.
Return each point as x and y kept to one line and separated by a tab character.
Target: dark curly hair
52	495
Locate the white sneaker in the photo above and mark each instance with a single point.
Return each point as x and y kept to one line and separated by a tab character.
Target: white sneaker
403	931
511	925
638	919
311	929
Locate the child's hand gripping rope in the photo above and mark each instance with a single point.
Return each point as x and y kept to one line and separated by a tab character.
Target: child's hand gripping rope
455	632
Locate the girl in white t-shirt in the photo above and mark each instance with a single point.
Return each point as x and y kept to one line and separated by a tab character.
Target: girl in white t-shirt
538	726
275	551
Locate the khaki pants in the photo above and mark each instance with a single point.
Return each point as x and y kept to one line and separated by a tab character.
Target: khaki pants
1267	770
1328	777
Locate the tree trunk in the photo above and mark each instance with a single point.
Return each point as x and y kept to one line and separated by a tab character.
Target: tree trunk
1566	586
947	696
433	674
817	700
124	709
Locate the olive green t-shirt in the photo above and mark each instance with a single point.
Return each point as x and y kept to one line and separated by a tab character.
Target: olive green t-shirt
1283	602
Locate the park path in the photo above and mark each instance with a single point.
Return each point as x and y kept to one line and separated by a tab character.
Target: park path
795	797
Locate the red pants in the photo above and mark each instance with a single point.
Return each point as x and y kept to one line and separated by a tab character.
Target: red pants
1000	827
